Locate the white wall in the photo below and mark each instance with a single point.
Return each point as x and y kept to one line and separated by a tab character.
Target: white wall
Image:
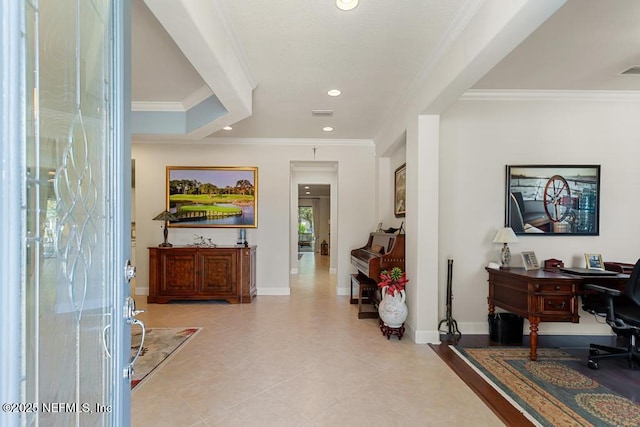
386	183
355	205
478	138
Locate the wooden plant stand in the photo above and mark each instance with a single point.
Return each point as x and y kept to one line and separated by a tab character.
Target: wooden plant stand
387	331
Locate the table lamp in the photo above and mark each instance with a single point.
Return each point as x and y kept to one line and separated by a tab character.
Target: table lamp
505	236
165	216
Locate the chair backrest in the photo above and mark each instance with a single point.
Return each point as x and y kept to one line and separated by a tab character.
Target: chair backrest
515	215
632	288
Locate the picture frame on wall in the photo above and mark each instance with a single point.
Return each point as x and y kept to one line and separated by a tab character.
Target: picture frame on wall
543	200
212	196
594	261
529	260
400	191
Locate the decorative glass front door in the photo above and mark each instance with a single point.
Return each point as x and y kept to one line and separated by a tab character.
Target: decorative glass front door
73	217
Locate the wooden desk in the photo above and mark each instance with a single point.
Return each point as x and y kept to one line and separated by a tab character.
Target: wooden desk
542	296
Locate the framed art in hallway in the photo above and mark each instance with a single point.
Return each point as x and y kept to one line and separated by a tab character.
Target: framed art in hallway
544	200
400	191
208	196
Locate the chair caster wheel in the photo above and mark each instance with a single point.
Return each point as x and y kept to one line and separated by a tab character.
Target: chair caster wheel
593	352
592	364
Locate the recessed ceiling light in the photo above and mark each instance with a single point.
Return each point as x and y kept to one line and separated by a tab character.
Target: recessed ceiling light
227	128
334	92
327	128
346	4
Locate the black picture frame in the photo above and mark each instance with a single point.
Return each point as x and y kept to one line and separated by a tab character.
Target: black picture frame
400	191
213	196
543	200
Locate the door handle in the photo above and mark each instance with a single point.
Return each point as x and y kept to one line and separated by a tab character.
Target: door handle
130	314
557	306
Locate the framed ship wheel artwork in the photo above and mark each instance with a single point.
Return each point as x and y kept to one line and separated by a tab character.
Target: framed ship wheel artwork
545	200
557	198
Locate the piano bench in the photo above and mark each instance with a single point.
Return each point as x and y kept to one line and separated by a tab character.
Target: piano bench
367	298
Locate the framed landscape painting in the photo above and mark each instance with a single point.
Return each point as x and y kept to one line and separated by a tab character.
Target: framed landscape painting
203	196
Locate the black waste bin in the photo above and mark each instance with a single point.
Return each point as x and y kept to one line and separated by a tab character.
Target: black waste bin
506	328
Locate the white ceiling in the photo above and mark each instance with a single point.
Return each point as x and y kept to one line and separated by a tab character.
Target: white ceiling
271	62
585	45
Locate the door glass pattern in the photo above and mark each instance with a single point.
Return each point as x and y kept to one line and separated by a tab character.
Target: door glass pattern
67	287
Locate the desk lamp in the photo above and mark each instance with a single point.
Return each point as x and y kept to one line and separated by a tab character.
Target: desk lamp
165	216
505	236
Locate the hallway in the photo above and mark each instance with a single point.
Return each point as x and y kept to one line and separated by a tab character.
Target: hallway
298	360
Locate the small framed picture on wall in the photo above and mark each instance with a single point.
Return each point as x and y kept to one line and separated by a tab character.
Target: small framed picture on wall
400	191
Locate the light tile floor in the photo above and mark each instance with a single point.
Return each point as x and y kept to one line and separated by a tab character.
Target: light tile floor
298	360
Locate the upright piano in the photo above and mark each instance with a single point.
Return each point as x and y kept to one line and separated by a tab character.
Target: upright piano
383	251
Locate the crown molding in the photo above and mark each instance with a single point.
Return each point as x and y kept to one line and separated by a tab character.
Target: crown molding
168	139
197	97
172	107
234	42
461	20
292	141
550	95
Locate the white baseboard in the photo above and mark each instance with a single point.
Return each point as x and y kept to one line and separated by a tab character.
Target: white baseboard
274	291
333	271
426	337
142	291
343	291
545	328
294	271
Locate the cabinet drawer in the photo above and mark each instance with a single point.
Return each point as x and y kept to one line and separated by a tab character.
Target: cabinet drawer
554	288
557	304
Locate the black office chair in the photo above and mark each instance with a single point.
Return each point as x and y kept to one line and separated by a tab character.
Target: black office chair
622	313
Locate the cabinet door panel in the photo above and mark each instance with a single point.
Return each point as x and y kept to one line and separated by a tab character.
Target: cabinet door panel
219	272
179	273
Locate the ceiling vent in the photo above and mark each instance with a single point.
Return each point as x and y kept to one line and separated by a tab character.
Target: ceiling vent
633	70
322	113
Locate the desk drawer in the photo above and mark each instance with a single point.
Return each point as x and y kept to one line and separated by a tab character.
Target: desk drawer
557	307
553	288
557	304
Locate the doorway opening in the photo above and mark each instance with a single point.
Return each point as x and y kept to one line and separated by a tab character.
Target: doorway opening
306	228
313	207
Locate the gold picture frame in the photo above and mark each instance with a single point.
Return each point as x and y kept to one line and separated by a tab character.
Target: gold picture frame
594	261
400	191
213	196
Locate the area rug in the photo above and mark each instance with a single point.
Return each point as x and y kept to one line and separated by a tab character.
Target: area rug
548	391
159	345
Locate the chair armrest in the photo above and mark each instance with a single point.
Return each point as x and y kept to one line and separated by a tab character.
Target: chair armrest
603	289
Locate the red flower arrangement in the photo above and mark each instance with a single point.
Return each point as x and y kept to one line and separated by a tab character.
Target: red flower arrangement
394	280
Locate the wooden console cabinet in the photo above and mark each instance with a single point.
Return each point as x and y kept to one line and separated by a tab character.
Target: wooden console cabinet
199	273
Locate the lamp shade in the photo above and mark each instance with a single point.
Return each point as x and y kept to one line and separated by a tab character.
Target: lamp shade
165	216
505	235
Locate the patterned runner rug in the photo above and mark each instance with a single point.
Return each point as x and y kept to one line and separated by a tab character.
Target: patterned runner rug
548	391
159	345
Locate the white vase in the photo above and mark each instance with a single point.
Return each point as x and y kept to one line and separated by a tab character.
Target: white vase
392	309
